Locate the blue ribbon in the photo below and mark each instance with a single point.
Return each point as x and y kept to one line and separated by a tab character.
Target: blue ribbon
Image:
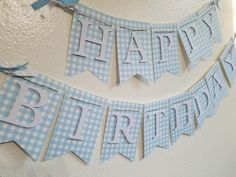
40	3
18	70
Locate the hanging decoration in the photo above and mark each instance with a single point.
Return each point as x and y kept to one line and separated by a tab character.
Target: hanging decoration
228	61
29	106
165	49
91	42
122	130
144	50
30	102
78	125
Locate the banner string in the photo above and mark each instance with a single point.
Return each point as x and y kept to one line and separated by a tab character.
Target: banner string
218	4
63	3
16	70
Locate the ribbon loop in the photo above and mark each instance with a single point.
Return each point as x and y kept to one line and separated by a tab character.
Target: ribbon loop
17	70
217	3
64	3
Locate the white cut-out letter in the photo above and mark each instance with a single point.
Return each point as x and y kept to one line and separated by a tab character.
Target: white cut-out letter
216	84
228	60
209	23
157	116
198	100
178	116
191	35
85	24
138	48
164	46
125	130
83	115
24	88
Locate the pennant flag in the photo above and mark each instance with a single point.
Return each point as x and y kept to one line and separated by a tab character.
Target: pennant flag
122	130
202	102
28	108
210	23
228	61
156	126
181	115
91	42
134	46
78	125
194	39
216	84
165	49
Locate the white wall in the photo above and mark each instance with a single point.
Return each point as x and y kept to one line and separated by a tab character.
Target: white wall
26	36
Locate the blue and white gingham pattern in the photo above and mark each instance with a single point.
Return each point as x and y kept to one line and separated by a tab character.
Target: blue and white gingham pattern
68	121
202	98
77	64
150	126
201	46
142	30
31	140
172	54
206	13
186	128
216	84
228	61
126	149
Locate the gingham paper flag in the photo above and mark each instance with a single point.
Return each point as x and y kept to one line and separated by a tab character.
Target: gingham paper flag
165	49
202	102
194	39
228	61
210	23
89	30
30	139
127	116
81	114
156	126
134	46
216	84
181	115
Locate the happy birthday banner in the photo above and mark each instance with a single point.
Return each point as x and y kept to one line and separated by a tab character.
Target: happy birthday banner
30	105
144	50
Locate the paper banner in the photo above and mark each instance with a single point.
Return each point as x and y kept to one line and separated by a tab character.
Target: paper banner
228	61
78	125
122	130
28	108
194	39
181	116
91	42
156	126
210	23
134	47
216	84
165	49
202	102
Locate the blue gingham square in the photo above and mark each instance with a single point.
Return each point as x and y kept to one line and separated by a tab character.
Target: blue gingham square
68	121
216	84
228	61
156	114
134	111
196	45
202	102
142	33
208	14
186	124
77	64
165	53
31	140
